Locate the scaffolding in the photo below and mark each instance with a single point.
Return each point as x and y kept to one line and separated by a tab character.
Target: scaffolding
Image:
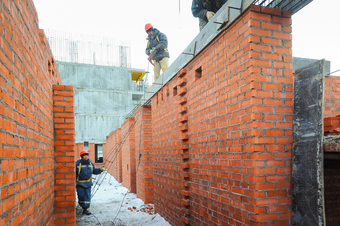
89	49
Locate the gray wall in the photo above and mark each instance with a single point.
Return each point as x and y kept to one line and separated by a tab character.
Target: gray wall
103	96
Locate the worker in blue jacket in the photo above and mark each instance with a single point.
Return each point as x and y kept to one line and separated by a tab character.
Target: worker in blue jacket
205	10
84	170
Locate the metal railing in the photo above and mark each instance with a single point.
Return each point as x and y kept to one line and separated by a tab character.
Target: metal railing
288	5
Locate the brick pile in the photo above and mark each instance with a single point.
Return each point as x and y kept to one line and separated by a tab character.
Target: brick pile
149	209
332	125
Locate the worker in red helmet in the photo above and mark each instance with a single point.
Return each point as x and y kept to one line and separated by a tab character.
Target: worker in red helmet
205	10
157	50
84	170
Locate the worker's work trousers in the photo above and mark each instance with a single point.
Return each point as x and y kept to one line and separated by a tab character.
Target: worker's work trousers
202	23
162	64
84	196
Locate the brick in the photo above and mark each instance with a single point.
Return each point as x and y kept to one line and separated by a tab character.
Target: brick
63	93
182	82
272	11
182	91
183	100
271	26
271	41
185	193
183	109
182	72
282	20
185	202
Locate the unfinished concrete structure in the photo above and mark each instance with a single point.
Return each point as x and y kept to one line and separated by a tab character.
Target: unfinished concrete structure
103	96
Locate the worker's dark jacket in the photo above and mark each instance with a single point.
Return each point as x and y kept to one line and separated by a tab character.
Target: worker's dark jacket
87	168
199	8
160	44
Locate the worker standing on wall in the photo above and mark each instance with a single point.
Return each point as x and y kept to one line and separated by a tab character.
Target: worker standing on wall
84	170
205	10
157	50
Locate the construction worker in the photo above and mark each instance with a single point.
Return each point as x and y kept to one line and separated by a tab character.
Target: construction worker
205	10
84	170
157	50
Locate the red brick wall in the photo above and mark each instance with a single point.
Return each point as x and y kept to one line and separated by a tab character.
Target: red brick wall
79	147
104	154
64	145
92	152
27	73
128	155
113	155
332	94
143	144
222	139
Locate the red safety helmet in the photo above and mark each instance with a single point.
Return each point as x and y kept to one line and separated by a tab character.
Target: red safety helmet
148	26
84	152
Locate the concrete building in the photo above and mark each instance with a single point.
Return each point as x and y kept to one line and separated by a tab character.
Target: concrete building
103	96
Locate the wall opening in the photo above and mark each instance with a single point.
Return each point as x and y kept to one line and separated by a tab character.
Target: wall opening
99	153
174	91
86	146
198	73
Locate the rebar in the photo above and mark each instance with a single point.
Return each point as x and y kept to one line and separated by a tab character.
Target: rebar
89	49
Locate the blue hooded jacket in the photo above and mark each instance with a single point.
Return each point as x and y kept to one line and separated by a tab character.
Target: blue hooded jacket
86	170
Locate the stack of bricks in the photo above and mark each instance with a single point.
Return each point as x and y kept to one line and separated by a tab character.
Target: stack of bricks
143	149
64	144
113	155
332	125
239	108
128	154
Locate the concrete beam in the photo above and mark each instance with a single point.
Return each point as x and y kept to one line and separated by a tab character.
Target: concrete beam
307	160
332	144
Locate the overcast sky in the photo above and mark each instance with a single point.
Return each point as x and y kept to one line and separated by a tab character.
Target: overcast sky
315	28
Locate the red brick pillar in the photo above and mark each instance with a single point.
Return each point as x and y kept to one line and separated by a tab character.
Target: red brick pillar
79	148
104	155
143	144
113	155
128	155
118	162
92	152
64	145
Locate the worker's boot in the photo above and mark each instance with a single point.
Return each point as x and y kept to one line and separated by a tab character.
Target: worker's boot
86	212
